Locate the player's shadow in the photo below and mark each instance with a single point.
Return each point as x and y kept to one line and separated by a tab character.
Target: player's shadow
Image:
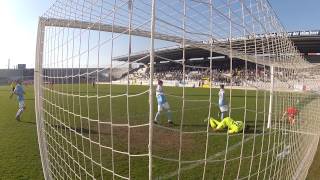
248	130
77	129
28	122
191	125
252	130
84	130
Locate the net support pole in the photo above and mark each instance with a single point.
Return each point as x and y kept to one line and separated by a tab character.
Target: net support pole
38	101
151	87
271	96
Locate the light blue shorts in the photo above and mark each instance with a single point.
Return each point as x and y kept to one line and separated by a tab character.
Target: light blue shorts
21	104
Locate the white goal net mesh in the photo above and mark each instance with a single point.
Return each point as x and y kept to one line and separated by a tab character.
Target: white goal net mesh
98	63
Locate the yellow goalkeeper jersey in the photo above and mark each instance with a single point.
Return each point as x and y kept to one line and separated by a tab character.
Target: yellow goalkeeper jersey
13	85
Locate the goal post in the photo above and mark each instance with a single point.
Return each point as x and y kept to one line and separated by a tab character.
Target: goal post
271	96
38	82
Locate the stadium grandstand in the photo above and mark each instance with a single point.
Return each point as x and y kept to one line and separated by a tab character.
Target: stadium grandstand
8	75
168	65
308	43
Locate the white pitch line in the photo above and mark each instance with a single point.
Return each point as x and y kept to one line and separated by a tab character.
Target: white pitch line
212	157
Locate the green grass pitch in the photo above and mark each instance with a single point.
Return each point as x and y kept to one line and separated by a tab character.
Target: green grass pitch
19	155
74	134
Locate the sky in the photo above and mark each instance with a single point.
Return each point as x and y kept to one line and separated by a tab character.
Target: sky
18	30
19	20
298	15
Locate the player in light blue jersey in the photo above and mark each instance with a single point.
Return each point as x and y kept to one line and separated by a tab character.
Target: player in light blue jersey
222	103
19	92
163	105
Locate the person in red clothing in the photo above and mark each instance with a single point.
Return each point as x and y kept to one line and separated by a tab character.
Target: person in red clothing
291	112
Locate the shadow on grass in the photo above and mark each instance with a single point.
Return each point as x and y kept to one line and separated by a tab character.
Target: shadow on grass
80	130
251	130
28	122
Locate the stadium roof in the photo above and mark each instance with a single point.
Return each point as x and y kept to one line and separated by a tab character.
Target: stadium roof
307	42
170	53
266	49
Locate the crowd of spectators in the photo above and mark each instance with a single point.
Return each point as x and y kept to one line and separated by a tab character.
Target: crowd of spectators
237	76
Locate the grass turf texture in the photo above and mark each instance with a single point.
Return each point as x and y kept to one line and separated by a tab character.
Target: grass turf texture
19	157
69	134
314	173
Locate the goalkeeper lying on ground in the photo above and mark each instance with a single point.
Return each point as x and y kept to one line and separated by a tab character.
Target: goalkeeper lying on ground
233	126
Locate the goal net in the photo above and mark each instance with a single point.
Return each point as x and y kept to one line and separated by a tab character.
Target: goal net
100	115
